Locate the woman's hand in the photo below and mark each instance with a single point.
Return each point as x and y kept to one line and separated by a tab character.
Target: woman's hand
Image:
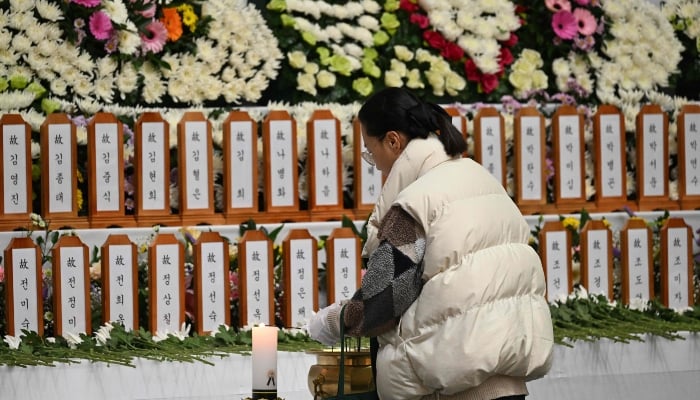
324	326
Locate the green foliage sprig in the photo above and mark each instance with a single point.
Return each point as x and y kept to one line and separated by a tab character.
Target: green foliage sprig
584	317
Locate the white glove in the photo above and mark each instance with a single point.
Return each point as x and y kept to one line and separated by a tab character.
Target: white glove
324	326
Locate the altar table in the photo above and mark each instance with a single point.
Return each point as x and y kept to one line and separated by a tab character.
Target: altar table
651	370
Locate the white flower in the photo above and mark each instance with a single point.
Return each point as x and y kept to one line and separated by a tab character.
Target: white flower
48	10
116	10
73	339
13	341
160	336
103	334
639	304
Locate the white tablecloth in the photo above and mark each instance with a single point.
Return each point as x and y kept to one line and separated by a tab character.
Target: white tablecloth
657	369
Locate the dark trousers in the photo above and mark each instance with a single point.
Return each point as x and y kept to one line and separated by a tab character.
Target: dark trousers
519	397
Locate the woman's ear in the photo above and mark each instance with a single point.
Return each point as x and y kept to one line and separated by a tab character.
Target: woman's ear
395	141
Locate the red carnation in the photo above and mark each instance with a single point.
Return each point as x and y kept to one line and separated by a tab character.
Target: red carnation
506	57
471	70
452	52
434	39
489	82
408	5
419	19
512	40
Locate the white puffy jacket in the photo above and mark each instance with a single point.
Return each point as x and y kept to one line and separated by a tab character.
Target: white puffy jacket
482	310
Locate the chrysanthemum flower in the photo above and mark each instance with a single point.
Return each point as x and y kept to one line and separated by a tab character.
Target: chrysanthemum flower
564	25
154	38
585	21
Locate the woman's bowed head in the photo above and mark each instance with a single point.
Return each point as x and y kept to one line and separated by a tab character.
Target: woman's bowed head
393	117
450	274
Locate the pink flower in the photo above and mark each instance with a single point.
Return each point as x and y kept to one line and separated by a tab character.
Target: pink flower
150	12
153	39
585	21
2	273
583	2
564	24
558	5
87	3
100	25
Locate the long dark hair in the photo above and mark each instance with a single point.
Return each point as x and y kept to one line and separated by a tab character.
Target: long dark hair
397	109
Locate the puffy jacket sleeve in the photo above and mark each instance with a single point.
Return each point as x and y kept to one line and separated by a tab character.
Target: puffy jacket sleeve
393	278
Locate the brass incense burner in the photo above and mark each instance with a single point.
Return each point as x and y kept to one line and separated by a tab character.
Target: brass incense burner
323	376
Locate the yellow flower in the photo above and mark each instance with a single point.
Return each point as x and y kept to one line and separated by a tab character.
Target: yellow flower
606	223
390	22
571	223
370	53
308	37
363	86
297	59
340	65
392	5
287	20
403	53
324	55
380	38
414	80
79	198
81	179
392	79
189	18
325	79
370	68
277	5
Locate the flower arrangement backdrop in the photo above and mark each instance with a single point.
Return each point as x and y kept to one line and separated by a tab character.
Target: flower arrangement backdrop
81	57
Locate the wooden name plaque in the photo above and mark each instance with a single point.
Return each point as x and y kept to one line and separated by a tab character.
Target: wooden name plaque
555	251
120	283
344	264
211	282
241	168
597	259
281	169
166	284
300	277
71	287
196	179
367	180
460	122
152	164
652	160
569	160
637	261
256	277
677	264
325	167
106	173
16	172
489	142
611	159
689	156
530	164
59	173
23	287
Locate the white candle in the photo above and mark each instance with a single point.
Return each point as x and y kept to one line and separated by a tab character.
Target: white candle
265	360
